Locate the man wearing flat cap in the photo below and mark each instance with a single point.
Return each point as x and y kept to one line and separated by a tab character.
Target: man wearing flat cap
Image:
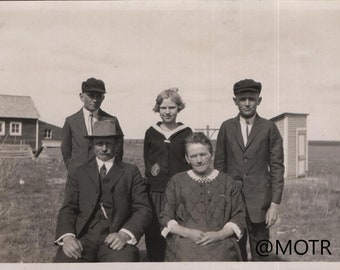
249	148
75	147
106	209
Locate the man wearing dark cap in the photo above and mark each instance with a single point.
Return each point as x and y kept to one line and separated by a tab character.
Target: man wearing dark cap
106	209
249	148
74	146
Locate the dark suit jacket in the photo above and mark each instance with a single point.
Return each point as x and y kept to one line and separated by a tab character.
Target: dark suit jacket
131	209
75	148
259	165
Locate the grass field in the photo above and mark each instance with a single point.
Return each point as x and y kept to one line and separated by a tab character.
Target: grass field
31	192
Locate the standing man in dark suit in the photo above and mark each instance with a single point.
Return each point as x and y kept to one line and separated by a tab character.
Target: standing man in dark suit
106	208
249	148
75	147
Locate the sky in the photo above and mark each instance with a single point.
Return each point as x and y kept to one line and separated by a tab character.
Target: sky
139	48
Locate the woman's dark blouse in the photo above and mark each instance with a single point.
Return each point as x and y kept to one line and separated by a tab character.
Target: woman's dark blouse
164	157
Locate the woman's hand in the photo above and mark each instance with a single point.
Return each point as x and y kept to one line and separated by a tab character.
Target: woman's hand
210	237
195	235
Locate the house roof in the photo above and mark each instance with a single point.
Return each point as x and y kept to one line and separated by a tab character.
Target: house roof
282	115
42	123
18	107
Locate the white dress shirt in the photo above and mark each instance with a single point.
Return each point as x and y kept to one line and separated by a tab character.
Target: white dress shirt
87	119
244	124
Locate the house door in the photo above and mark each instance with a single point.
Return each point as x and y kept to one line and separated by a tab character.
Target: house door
301	165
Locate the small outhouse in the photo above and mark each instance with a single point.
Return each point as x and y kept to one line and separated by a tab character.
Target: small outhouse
293	129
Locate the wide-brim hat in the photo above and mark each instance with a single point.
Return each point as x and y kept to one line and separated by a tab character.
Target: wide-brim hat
104	128
246	86
93	85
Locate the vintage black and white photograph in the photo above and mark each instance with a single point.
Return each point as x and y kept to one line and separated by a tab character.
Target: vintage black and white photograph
157	132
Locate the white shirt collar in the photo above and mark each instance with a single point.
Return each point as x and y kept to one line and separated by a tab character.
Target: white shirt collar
87	113
250	120
108	163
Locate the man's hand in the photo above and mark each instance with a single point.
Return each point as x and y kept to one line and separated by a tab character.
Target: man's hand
272	214
210	237
117	241
72	247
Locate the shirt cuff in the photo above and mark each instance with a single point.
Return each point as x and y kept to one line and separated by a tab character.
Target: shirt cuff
132	240
167	229
60	241
234	228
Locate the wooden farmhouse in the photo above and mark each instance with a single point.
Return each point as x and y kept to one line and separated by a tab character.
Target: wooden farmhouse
20	124
293	129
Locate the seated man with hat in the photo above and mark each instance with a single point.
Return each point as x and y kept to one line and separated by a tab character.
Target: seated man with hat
105	210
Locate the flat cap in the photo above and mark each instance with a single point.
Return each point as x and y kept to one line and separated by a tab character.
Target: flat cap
247	85
93	85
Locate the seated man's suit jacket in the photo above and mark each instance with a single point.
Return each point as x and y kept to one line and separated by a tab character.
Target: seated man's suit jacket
131	209
258	165
75	148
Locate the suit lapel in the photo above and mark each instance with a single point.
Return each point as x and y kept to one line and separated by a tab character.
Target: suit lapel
254	130
115	174
102	115
92	171
80	122
238	133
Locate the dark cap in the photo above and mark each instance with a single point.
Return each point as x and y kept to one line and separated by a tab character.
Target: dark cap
247	85
104	128
93	85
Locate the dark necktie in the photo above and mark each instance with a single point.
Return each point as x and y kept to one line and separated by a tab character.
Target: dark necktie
247	128
102	172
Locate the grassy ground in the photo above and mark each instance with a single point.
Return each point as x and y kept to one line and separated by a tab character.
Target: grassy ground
31	193
28	208
310	211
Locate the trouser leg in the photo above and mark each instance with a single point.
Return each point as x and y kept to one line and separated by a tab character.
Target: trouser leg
257	232
243	246
128	254
154	241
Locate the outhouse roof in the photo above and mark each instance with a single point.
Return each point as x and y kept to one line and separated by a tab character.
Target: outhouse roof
282	115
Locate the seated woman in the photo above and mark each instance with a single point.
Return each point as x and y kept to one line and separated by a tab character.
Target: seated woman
202	213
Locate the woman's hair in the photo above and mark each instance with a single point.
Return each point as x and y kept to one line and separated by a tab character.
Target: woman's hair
173	95
198	137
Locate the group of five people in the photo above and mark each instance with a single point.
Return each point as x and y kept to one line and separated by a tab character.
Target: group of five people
192	205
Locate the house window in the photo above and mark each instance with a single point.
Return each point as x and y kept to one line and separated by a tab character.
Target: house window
2	128
48	134
15	129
